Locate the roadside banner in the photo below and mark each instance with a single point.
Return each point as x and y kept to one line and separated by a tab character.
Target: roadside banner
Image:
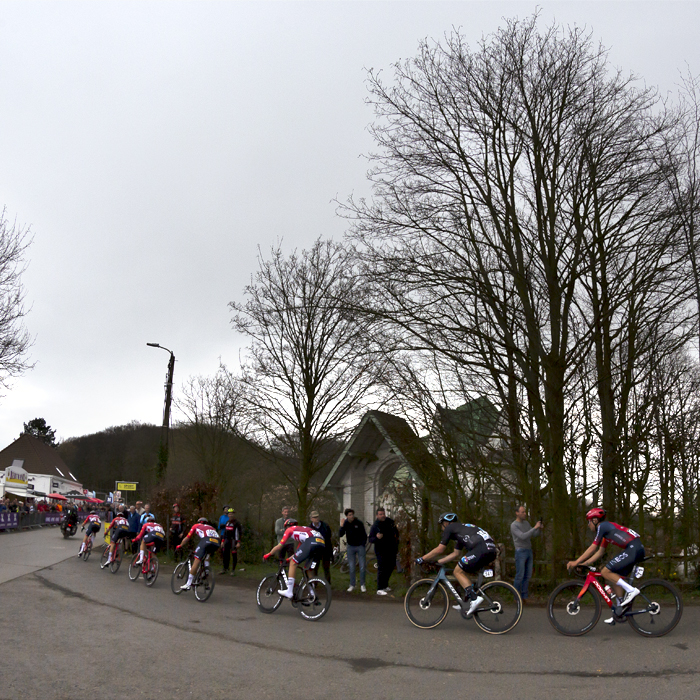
8	520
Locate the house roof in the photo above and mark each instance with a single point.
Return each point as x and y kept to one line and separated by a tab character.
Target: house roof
471	424
374	428
39	458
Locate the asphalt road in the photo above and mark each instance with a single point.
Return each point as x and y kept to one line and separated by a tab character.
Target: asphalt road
70	630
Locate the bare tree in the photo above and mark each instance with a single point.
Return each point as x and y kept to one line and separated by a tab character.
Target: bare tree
500	174
14	337
312	364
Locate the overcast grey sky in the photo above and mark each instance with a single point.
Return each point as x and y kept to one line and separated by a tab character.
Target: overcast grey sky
153	146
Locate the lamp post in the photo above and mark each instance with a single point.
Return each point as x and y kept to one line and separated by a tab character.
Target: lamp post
164	433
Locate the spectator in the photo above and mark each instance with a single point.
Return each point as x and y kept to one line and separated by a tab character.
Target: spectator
356	536
134	525
231	538
146	513
522	534
288	549
223	520
177	529
385	538
325	530
139	507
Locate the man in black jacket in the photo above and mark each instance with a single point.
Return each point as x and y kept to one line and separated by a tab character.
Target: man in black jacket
356	535
231	540
385	538
325	530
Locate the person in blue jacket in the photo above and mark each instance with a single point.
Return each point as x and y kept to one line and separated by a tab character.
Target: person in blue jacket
223	520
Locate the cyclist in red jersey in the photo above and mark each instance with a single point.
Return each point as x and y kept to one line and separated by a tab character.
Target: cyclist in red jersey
310	546
150	532
118	529
209	542
91	525
622	564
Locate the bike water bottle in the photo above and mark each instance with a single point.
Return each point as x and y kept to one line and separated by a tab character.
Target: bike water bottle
610	593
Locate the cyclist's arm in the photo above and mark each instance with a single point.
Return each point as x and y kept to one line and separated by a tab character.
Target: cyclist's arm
435	552
451	557
596	556
589	552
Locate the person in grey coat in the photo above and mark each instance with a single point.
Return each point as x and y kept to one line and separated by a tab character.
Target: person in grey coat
522	533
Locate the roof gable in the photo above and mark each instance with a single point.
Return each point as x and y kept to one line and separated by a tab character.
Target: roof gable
39	458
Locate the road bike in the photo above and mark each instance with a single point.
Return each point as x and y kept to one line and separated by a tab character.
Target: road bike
312	597
88	547
203	583
148	567
427	602
574	607
119	552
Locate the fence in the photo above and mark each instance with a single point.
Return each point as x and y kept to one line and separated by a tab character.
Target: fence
22	521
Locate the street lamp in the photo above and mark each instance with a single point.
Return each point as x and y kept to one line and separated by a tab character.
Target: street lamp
163	451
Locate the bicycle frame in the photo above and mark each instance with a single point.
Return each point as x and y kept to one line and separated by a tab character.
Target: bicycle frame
592	579
442	576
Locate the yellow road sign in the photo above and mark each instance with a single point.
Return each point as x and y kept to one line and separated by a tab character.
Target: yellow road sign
126	485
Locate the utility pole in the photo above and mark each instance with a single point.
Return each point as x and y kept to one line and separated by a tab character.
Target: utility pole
162	467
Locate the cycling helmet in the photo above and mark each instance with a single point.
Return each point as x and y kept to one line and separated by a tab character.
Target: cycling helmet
448	518
93	511
230	510
202	520
175	505
150	519
290	522
596	513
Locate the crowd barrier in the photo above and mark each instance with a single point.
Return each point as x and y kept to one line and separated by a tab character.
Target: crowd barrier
18	521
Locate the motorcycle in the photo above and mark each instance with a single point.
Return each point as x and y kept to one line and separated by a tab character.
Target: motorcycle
69	525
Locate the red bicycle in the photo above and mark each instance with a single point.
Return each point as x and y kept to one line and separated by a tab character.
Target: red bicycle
148	567
574	607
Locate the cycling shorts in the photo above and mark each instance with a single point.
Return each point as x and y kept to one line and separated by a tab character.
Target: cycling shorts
119	535
624	562
156	538
477	558
207	545
92	528
309	549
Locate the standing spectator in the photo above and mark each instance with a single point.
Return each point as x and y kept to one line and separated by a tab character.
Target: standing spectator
385	538
139	507
522	533
177	529
325	530
356	536
146	513
288	549
223	520
134	519
231	537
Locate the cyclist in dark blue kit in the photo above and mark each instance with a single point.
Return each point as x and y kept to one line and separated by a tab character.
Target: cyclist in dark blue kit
622	564
480	552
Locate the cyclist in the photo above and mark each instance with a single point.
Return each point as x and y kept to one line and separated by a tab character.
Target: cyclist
91	525
480	551
150	532
607	532
310	546
209	542
118	529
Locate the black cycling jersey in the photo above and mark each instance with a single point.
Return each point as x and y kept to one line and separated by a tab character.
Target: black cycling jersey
466	536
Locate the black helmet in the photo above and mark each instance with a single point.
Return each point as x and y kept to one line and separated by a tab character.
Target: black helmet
448	518
290	522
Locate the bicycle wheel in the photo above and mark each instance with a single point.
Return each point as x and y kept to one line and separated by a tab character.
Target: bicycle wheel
314	598
501	609
426	604
266	596
134	568
205	586
179	577
152	574
571	615
86	553
116	562
105	554
662	605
